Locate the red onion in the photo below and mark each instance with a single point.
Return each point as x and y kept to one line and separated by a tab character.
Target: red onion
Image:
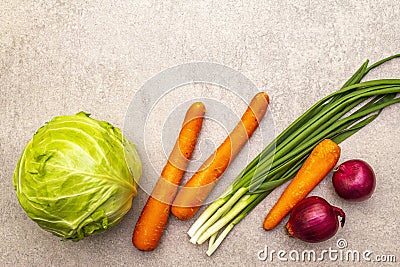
354	180
314	220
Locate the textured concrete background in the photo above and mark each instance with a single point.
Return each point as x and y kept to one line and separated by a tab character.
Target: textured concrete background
60	57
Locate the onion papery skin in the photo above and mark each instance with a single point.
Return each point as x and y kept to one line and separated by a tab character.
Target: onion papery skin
314	220
354	180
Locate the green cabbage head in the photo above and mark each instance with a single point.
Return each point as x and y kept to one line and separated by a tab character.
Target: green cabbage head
77	176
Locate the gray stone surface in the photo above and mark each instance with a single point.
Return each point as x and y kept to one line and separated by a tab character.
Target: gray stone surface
60	57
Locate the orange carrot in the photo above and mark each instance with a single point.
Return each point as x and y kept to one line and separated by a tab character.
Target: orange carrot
195	191
318	164
154	217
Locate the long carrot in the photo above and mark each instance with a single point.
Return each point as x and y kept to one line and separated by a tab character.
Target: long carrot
195	191
154	217
318	164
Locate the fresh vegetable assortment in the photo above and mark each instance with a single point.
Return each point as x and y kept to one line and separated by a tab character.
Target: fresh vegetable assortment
75	178
330	118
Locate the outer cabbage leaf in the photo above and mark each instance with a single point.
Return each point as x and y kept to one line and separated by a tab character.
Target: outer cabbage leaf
73	178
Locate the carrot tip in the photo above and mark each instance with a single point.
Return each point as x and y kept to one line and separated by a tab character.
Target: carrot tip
184	213
265	95
199	105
